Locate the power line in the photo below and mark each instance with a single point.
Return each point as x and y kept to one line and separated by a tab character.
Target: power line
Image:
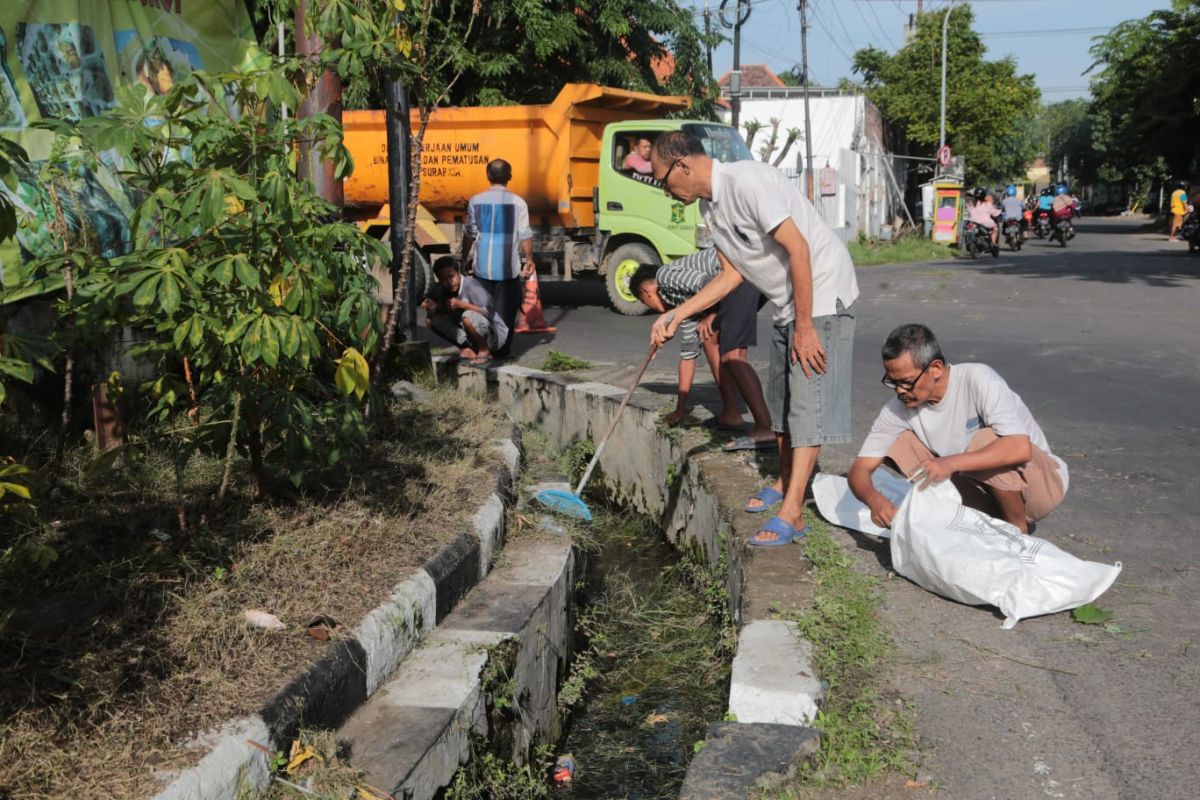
832	40
1043	32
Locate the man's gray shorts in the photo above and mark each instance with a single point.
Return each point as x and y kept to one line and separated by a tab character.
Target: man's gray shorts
813	411
449	327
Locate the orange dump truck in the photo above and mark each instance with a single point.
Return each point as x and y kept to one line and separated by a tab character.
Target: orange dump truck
589	213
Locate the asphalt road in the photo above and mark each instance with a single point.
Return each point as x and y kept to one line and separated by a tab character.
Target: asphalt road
1100	339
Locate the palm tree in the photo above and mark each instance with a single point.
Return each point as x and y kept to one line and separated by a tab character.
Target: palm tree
769	147
752	127
792	135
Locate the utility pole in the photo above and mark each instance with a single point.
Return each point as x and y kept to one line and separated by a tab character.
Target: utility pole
708	36
808	176
942	128
741	14
397	129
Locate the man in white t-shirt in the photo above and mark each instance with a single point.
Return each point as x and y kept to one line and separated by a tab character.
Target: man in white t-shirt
767	233
959	422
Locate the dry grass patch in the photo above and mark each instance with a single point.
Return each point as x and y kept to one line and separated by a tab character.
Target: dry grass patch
134	642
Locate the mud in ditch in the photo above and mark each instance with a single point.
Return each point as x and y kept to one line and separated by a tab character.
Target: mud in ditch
656	667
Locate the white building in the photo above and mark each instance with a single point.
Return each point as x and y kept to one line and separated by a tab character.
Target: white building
854	181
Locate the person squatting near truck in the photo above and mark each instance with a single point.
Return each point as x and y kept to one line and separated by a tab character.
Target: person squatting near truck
460	310
725	333
768	234
962	423
497	234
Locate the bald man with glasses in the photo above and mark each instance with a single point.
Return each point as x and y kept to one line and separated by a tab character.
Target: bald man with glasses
961	423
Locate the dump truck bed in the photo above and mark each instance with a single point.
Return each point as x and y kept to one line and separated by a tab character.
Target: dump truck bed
554	150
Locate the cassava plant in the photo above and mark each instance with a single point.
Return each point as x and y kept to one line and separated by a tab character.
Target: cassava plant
248	293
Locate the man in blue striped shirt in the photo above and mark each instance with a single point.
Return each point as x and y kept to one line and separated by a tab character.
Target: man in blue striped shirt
498	230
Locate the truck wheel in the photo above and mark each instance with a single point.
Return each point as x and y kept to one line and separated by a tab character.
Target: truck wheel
619	268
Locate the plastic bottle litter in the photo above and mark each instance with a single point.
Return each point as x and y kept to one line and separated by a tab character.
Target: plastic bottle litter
629	699
564	768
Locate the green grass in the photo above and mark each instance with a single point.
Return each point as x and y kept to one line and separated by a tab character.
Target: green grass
863	732
869	253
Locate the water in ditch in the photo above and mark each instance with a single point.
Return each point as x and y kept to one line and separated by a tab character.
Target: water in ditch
655	670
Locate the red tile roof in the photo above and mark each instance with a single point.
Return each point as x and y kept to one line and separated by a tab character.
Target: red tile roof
755	76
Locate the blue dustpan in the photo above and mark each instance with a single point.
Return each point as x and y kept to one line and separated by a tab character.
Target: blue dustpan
564	502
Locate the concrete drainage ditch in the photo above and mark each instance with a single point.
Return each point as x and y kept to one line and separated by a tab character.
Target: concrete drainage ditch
464	655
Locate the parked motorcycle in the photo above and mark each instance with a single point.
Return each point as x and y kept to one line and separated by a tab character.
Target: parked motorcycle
1012	234
978	239
1063	230
1042	224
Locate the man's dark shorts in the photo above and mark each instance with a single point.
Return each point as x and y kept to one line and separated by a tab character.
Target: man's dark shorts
737	318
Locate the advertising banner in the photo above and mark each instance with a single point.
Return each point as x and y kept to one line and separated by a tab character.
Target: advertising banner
61	59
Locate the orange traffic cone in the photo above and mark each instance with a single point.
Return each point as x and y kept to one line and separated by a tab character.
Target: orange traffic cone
531	320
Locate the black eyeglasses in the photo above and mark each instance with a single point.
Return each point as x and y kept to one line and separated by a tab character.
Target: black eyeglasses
667	174
905	385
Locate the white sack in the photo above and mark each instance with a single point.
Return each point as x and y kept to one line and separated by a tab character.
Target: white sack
958	552
838	504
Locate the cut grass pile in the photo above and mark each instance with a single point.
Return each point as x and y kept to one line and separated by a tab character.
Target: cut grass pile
900	251
562	362
864	732
133	643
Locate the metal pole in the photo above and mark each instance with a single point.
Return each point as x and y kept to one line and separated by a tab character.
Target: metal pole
942	128
399	156
742	14
808	176
735	101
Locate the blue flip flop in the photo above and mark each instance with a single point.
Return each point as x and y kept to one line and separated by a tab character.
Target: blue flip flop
786	534
767	495
747	443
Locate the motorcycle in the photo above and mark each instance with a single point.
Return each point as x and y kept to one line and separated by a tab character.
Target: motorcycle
1063	229
1189	231
978	239
1041	223
1012	234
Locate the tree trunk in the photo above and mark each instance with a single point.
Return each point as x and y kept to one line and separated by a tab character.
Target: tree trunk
787	145
230	448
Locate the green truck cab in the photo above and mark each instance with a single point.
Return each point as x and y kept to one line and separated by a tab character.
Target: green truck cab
637	222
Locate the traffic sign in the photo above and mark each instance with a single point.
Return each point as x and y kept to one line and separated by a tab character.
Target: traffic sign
944	155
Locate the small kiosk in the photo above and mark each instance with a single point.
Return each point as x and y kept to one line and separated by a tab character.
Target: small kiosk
947	209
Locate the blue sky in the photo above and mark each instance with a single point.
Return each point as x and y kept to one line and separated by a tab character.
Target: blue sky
1049	38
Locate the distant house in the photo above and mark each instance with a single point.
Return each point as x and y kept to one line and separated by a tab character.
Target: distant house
854	180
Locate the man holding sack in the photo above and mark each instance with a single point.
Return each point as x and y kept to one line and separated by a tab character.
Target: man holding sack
961	423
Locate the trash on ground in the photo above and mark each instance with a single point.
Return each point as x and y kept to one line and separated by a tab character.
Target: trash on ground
322	627
629	699
564	768
263	619
300	755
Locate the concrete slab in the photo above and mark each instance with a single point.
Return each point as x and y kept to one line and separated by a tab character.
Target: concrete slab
738	758
773	678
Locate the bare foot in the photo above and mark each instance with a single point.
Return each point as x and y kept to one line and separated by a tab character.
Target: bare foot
674	418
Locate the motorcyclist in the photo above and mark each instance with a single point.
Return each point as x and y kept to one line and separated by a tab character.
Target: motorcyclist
1063	207
1012	207
983	212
